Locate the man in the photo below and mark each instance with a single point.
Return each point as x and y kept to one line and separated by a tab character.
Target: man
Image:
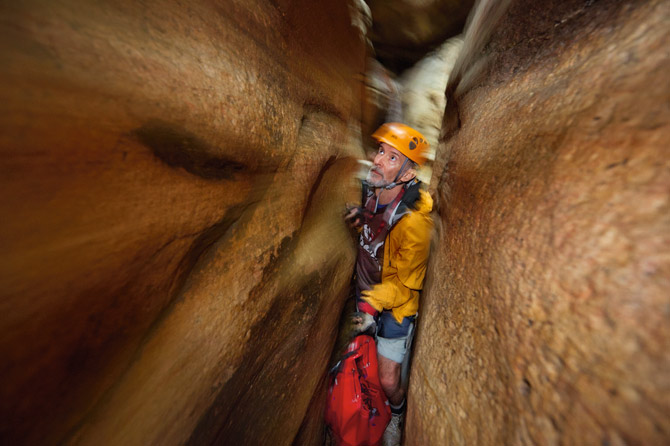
394	244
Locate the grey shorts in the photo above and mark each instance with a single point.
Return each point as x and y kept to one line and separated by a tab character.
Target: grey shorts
395	348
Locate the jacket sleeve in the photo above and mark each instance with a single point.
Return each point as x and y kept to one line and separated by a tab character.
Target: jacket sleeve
408	264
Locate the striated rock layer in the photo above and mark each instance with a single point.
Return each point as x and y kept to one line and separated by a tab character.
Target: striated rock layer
170	174
546	317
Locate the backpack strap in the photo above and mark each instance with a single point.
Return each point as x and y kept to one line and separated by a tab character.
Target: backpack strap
392	208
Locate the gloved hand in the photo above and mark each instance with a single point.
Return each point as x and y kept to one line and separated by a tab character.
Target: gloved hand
355	216
362	322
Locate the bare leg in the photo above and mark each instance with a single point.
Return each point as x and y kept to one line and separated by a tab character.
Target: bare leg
389	375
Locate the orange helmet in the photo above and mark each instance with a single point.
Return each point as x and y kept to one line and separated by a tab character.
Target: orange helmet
405	139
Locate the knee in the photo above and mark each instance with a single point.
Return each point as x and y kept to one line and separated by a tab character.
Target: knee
389	381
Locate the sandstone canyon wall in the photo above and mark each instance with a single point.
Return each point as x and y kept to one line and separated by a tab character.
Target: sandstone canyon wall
173	175
545	319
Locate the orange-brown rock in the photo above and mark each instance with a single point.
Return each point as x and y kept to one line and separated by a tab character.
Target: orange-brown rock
170	174
545	319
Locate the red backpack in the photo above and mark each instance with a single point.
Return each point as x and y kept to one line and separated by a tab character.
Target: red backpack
357	410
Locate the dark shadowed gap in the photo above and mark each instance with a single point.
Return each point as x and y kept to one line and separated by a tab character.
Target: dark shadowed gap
177	147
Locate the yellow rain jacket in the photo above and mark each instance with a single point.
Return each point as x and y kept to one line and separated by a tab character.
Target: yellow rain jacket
406	250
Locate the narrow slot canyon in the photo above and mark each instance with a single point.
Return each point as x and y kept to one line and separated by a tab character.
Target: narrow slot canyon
175	176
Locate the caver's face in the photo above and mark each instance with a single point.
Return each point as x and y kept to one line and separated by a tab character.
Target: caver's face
387	164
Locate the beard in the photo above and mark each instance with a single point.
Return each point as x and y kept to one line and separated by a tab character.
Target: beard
376	180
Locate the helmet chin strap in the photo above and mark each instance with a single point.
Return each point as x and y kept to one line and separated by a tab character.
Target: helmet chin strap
395	182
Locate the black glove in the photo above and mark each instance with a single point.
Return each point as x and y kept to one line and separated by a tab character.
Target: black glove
356	216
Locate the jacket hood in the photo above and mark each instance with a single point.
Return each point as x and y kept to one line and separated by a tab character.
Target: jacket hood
425	202
416	199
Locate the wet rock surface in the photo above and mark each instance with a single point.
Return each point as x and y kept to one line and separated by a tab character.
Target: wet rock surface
545	316
173	174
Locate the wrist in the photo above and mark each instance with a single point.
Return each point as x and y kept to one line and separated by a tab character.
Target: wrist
367	308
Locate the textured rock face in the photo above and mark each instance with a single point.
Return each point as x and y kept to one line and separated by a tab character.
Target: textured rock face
546	317
404	30
171	273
